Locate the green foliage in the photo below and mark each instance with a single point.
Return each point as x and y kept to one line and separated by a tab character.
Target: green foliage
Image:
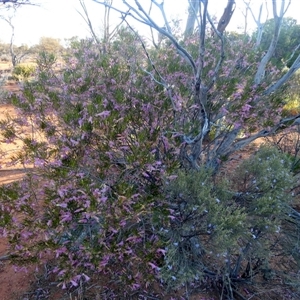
287	43
292	105
46	63
230	229
23	71
203	221
263	182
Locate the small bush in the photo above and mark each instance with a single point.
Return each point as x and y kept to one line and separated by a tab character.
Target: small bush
228	232
292	107
204	222
23	71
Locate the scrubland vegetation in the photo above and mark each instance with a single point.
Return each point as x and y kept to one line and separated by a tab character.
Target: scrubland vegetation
129	141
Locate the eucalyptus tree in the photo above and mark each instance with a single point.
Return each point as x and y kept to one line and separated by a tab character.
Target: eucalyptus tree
11	6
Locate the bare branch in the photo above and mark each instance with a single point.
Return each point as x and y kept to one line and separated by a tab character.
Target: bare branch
213	26
287	7
257	20
15	2
87	19
151	30
144	18
106	22
245	17
295	66
162	81
161	7
293	53
202	40
240	144
8	4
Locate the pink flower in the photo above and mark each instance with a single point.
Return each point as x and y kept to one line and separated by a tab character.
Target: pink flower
153	266
162	251
103	114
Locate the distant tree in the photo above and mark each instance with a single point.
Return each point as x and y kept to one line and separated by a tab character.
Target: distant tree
257	20
49	44
13	5
16	53
4	48
9	21
193	18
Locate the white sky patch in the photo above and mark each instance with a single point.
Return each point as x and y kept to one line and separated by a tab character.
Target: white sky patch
59	18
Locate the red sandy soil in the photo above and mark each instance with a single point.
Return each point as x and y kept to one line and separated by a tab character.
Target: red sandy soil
13	284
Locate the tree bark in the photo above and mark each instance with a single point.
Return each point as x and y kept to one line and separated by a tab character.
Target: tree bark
226	17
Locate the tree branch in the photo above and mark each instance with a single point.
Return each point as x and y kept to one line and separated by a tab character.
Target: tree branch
87	20
144	18
193	10
295	66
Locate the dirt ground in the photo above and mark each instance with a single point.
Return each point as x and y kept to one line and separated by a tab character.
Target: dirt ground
13	283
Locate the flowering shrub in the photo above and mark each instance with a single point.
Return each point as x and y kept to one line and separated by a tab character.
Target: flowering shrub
96	150
112	189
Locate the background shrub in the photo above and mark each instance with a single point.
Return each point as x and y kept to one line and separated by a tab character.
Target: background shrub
23	71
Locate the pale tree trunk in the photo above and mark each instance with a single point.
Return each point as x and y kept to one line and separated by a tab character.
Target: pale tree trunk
106	35
259	28
11	47
193	10
259	76
245	20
